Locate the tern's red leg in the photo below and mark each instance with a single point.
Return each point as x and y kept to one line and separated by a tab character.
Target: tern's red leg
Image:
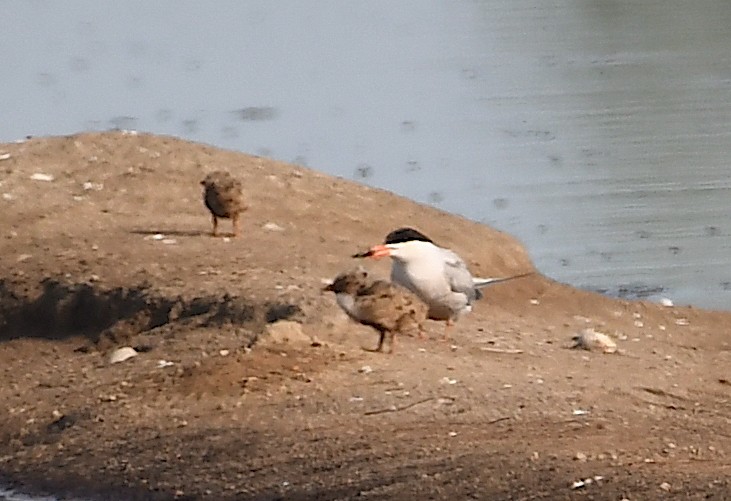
447	329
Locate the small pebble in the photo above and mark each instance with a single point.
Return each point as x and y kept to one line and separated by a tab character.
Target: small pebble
578	484
93	186
272	227
38	176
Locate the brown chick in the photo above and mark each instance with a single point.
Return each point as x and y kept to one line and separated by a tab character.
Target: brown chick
224	198
386	307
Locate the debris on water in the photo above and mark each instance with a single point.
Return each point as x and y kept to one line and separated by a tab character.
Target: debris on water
161	364
579	412
666	302
156	236
592	340
122	354
535	302
224	353
39	176
366	369
452	433
448	380
665	486
580	456
93	186
169	241
356	399
682	321
5	156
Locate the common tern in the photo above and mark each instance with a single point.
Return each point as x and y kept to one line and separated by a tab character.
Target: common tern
223	196
386	307
438	276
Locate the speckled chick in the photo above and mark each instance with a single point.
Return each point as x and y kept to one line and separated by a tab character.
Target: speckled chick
386	307
223	196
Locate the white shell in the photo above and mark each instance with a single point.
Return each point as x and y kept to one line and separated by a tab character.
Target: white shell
122	354
589	339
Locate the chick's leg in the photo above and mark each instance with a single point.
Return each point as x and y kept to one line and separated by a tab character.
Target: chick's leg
381	337
215	226
235	223
392	340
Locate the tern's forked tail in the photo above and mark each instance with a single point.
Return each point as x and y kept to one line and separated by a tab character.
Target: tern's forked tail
485	282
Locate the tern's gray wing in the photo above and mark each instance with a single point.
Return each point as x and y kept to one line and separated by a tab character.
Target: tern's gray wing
458	276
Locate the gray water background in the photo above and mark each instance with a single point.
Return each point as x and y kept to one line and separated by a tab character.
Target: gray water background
597	132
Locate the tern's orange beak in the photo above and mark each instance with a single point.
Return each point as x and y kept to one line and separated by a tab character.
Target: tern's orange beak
376	252
379	251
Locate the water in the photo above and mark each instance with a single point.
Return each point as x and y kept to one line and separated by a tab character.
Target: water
595	131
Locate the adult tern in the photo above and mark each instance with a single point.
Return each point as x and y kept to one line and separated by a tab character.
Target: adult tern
437	275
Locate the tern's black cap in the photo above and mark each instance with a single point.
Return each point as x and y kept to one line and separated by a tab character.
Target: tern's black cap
406	235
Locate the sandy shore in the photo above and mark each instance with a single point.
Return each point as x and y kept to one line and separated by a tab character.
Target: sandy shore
251	384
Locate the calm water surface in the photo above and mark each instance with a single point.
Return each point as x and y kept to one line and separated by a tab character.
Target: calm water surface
598	132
